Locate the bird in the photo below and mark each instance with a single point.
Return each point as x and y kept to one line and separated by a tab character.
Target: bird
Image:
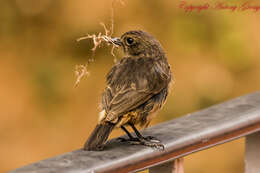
136	89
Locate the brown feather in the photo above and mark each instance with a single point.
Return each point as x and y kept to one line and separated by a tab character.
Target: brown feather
98	137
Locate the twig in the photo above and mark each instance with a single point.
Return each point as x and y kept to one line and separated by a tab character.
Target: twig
81	70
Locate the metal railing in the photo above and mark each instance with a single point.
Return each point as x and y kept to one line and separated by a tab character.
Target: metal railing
182	136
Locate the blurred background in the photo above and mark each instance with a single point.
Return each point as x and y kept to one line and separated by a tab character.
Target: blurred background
214	56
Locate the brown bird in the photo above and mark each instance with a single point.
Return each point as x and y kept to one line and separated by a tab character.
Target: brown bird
137	87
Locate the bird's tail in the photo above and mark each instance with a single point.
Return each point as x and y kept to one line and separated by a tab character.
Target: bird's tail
98	137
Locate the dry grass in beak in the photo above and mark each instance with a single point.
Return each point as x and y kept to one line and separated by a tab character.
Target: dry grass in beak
81	70
98	39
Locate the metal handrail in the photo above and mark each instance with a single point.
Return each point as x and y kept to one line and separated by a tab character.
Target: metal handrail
182	136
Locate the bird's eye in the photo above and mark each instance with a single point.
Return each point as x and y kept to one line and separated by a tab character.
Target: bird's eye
129	40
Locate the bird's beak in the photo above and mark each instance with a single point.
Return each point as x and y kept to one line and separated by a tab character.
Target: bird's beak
117	41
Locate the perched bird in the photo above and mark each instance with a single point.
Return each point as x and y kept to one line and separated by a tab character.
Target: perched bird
137	87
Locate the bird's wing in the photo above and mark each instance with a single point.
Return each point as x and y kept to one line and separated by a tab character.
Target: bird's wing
130	83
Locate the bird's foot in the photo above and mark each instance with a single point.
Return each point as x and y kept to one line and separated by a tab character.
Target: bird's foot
152	143
146	141
152	139
127	139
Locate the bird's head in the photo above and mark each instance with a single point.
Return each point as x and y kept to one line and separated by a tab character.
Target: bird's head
139	43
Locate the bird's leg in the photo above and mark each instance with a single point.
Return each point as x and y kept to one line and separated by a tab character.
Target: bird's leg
131	138
139	135
147	141
127	132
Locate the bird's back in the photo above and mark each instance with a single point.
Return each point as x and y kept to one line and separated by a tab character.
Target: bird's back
130	85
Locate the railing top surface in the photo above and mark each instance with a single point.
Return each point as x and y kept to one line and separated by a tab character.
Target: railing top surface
193	132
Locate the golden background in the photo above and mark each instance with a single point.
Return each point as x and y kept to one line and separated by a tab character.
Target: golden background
214	56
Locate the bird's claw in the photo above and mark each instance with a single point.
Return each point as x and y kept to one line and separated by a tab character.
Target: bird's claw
127	139
146	141
152	139
154	143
